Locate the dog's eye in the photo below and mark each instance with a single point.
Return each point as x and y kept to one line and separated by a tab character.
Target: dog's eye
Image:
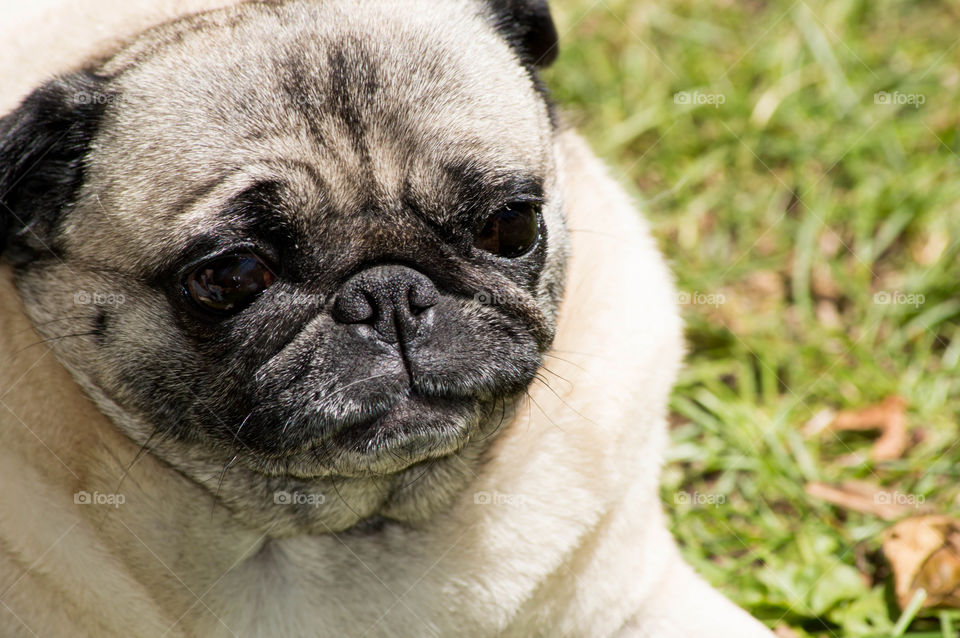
228	284
511	231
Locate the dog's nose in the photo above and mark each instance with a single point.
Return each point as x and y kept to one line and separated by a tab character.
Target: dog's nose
392	299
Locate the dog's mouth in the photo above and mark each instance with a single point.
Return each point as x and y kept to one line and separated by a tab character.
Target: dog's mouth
376	409
414	430
379	435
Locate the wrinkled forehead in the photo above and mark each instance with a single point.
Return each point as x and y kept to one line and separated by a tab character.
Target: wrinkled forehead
357	98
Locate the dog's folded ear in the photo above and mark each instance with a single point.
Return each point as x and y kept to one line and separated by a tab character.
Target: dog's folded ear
528	27
43	143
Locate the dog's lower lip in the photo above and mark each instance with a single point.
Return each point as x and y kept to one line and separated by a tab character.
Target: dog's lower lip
400	433
412	411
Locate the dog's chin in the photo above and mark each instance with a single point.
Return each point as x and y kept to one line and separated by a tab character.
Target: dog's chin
412	430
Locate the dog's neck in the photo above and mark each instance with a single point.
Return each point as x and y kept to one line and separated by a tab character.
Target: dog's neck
68	466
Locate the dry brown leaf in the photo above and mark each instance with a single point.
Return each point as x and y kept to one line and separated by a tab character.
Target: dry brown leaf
924	551
928	251
819	422
822	282
827	314
767	283
829	243
889	416
867	498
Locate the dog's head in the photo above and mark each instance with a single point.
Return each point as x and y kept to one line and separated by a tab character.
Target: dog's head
309	241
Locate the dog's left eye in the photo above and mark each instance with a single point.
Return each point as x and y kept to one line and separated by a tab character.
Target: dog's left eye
511	231
228	284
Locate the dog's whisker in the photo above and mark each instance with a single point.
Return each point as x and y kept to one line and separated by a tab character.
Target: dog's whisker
496	429
236	434
544	412
52	340
564	379
567	361
140	452
564	402
582	354
223	472
47	323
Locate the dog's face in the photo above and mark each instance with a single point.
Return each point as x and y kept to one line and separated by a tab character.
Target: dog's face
306	242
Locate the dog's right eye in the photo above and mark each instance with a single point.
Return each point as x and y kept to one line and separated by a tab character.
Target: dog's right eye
228	284
510	232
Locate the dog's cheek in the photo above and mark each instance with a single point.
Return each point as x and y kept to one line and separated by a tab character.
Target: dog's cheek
550	287
119	340
115	337
149	369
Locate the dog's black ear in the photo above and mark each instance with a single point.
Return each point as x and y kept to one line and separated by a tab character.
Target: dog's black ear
43	143
528	27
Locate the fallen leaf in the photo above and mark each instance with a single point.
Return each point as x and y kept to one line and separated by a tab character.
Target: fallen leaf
924	552
867	498
829	243
819	422
822	282
889	416
870	417
767	283
927	252
827	314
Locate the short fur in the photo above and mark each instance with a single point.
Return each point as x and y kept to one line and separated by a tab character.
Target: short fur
500	480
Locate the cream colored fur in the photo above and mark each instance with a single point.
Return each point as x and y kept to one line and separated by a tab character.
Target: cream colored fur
574	543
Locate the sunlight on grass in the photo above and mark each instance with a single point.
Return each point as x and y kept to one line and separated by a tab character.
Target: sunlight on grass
800	162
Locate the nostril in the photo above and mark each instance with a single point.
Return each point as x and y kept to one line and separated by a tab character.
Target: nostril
421	298
392	299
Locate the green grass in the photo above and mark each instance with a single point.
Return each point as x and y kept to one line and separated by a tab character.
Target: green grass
784	211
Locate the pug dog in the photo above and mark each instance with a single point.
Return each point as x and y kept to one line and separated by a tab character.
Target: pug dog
318	321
